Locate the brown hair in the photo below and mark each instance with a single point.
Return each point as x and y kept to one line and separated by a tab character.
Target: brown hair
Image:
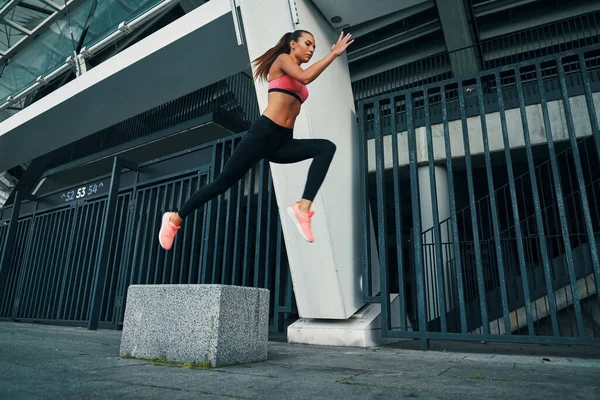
264	62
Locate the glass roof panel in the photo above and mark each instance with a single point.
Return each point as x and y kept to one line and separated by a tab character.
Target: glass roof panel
108	17
20	68
45	53
9	36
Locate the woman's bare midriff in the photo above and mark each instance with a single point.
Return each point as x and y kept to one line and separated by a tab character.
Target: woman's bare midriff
282	109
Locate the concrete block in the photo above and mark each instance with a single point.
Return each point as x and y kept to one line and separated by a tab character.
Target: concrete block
218	324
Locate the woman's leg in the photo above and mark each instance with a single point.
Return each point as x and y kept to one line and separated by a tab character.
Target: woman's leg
243	158
295	150
250	151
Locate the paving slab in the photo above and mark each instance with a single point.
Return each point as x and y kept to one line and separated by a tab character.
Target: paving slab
45	361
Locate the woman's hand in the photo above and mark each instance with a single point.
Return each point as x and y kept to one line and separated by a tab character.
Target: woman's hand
342	44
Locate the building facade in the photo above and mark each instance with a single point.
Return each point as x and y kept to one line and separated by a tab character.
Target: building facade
468	145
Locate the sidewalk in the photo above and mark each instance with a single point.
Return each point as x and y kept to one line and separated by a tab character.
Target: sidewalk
42	361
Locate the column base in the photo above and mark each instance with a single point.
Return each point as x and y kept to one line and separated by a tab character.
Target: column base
362	329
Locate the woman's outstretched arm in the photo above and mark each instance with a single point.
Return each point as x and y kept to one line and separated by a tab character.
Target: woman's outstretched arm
306	76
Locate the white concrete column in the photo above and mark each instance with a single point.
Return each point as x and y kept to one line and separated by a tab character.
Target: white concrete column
429	255
326	274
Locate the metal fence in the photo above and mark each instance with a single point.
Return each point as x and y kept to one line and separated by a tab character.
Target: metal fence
515	258
76	251
508	240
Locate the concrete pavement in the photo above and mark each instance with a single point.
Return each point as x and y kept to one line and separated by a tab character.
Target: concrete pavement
43	361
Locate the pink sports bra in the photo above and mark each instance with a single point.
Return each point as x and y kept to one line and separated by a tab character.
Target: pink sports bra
287	84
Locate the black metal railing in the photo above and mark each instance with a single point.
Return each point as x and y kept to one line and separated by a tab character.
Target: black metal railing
65	252
549	206
490	87
530	243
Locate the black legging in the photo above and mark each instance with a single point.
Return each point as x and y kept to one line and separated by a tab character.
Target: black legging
267	140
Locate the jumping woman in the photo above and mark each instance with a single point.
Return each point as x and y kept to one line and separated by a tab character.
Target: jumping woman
271	136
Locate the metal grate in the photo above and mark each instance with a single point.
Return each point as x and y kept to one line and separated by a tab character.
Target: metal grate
234	239
525	254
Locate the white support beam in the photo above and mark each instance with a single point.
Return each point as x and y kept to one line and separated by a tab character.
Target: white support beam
52	4
18	27
8	7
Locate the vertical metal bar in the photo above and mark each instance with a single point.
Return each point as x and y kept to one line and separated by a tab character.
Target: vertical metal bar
238	208
226	246
126	270
65	276
104	246
245	270
51	266
474	219
277	316
152	251
178	248
582	196
9	242
381	221
75	266
159	273
61	263
515	207
26	265
121	243
416	215
437	247
268	234
455	236
259	223
37	270
186	251
589	98
55	283
85	265
7	295
195	229
364	203
397	215
47	268
216	264
208	219
536	201
559	200
141	216
115	247
24	239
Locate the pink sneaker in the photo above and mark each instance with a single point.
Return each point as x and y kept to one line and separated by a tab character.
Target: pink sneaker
302	221
168	230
